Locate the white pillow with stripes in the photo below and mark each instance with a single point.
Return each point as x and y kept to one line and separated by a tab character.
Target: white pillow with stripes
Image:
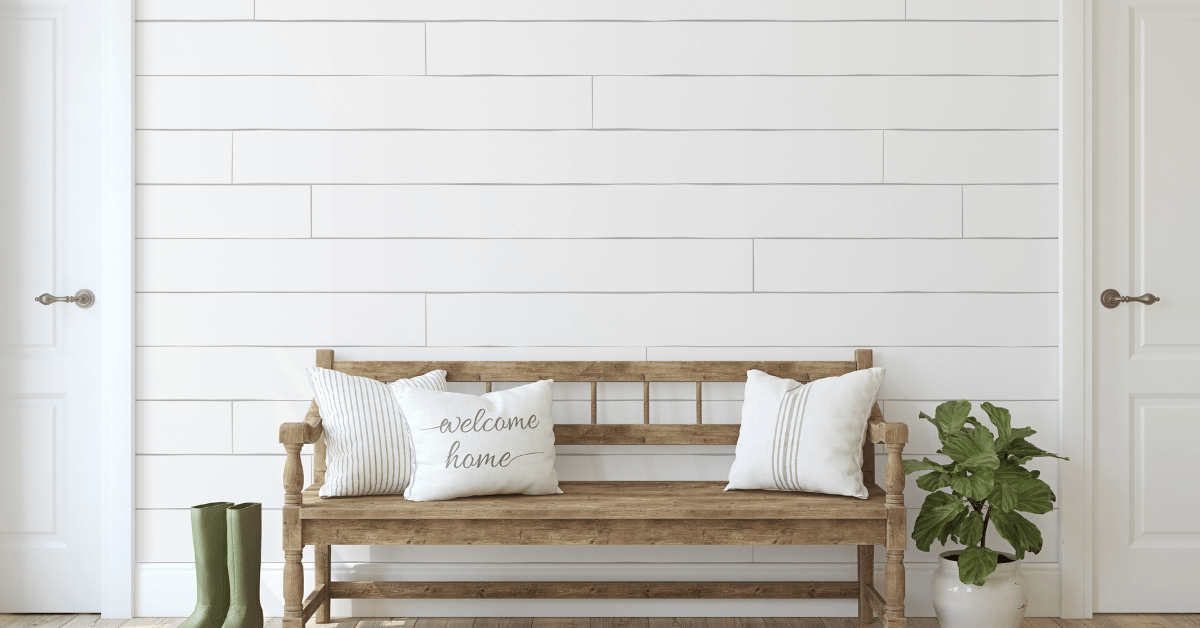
804	437
368	450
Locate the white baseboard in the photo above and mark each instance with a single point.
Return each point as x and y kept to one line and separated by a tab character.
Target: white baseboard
168	589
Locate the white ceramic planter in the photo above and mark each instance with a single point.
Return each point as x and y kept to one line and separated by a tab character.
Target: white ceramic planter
999	603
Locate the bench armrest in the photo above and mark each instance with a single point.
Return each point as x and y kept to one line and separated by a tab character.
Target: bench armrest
880	431
303	433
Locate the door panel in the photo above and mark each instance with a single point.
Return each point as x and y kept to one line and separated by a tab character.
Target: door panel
49	355
1147	369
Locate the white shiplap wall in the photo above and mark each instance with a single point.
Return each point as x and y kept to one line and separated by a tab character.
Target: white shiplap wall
560	179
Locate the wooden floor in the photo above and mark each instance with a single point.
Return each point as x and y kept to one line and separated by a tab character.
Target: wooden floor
1099	621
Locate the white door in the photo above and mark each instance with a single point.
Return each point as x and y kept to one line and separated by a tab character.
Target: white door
49	354
1147	204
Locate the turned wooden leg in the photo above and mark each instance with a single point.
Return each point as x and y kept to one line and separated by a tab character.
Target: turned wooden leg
897	538
324	566
866	577
293	548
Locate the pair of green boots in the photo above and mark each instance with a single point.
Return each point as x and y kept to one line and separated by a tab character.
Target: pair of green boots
228	543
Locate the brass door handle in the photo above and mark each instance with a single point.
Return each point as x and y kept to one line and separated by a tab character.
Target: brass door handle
84	299
1111	298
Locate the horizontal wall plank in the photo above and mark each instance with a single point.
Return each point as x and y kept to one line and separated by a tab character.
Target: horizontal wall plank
183	481
242	48
195	9
1010	211
866	320
982	10
971	156
278	374
906	265
224	211
464	265
826	102
280	319
363	102
165	536
183	427
920	373
557	157
184	156
256	424
636	211
523	10
731	48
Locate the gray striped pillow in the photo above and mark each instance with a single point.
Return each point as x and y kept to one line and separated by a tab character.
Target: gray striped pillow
368	449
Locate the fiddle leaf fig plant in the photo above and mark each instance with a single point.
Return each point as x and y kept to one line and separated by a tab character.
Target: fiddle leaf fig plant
988	483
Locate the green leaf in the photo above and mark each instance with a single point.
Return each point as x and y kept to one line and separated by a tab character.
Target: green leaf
925	464
952	526
950	417
975	564
938	510
1033	496
975	451
970	532
1025	451
1004	496
976	486
1019	532
1001	418
933	481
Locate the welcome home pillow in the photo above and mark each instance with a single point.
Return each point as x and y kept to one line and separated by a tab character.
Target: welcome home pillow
463	445
367	447
804	437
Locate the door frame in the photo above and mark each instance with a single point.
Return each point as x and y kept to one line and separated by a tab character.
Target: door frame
116	294
1076	293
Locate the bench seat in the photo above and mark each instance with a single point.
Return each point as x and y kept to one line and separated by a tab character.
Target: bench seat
608	500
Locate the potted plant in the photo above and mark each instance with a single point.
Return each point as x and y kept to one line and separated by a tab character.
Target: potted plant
978	587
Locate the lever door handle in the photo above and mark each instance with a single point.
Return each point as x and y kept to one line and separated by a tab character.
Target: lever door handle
84	299
1111	298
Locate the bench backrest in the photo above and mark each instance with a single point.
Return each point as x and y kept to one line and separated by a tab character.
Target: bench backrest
645	433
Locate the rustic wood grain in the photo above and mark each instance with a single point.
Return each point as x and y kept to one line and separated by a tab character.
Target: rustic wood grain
39	621
595	532
503	622
793	622
593	590
497	371
678	622
736	622
620	622
1097	621
562	622
445	622
387	622
1141	621
608	500
93	621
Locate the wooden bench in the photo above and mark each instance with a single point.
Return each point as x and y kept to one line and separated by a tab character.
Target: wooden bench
601	513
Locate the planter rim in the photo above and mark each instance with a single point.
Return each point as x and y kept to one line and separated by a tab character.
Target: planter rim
1000	567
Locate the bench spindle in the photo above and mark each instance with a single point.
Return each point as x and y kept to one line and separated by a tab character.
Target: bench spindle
646	402
699	411
593	403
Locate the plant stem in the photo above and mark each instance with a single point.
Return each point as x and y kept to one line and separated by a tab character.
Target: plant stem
987	517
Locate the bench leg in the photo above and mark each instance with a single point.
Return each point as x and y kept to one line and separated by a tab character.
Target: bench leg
897	538
293	548
324	567
866	577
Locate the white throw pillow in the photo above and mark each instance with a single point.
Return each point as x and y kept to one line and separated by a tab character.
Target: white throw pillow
463	445
368	450
805	437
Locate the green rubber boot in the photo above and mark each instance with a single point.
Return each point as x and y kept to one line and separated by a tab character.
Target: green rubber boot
212	577
244	522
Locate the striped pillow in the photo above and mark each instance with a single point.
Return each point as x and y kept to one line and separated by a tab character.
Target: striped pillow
804	437
368	449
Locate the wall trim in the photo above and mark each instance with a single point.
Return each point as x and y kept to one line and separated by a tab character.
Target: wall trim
165	589
116	300
1076	293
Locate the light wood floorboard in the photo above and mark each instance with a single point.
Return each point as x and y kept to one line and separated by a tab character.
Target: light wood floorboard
94	621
